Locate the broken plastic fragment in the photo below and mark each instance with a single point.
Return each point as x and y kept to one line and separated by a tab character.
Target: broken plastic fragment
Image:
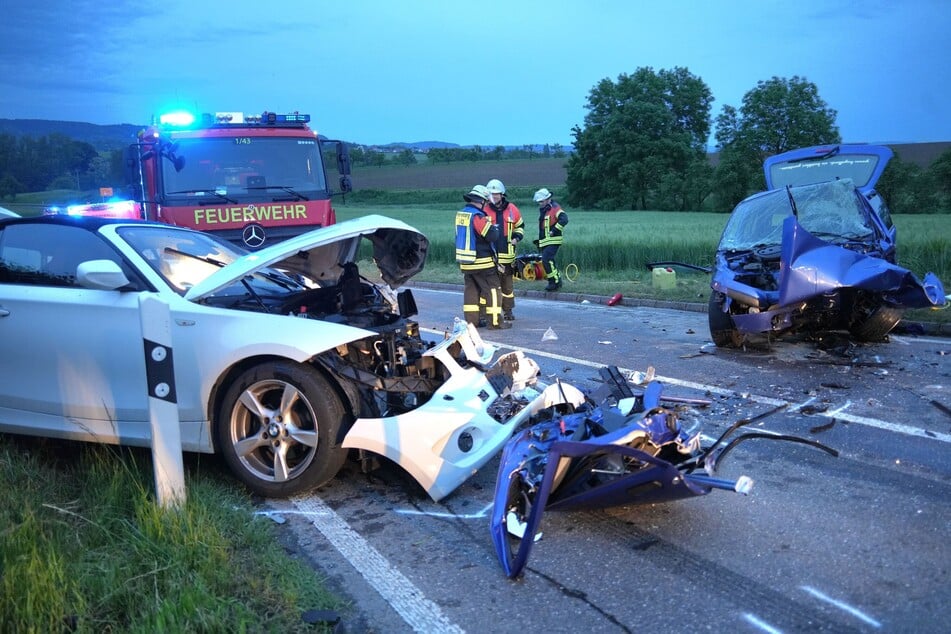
744	484
516	527
641	378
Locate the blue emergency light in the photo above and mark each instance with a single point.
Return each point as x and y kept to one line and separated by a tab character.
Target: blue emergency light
273	117
178	119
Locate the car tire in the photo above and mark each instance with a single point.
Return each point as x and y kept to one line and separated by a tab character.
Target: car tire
722	330
279	429
877	324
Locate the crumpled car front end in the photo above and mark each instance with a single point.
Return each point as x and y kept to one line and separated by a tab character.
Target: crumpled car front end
810	258
472	411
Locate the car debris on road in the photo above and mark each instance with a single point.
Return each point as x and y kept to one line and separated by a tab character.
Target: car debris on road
611	447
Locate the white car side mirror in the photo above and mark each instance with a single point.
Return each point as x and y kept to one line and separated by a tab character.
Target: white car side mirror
103	275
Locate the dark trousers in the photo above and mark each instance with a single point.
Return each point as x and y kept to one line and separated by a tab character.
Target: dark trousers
482	284
507	284
548	261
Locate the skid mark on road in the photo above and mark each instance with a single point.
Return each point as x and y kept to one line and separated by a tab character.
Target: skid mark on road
403	596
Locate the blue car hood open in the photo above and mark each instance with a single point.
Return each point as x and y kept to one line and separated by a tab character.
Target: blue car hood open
811	267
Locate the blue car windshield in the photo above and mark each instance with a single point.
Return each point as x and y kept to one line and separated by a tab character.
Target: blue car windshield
831	211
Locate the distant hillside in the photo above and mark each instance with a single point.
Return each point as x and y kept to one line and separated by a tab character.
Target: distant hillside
421	145
118	136
101	137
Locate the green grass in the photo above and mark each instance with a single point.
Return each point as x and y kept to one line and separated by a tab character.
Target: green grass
612	248
84	547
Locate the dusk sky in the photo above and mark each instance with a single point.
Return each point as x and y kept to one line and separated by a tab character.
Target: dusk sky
488	73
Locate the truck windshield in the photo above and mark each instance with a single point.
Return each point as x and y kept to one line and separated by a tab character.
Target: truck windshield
241	167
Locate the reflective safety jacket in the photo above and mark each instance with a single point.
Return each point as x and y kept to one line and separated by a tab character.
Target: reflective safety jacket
511	227
551	224
475	239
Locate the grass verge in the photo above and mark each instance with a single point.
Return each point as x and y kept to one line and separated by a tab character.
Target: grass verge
84	547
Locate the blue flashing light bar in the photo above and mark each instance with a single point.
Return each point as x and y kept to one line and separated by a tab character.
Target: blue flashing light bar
180	119
287	118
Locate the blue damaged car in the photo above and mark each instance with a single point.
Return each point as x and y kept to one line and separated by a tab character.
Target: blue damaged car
815	252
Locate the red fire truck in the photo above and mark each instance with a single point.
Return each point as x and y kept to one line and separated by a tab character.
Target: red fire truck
252	179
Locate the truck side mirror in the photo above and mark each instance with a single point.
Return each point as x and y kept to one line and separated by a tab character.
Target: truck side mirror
343	160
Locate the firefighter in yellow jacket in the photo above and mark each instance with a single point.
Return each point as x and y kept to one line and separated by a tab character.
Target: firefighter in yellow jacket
476	239
508	218
551	228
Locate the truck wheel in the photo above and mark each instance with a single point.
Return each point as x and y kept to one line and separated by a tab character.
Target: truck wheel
278	429
722	330
877	324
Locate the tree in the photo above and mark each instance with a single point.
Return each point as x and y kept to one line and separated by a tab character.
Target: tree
405	157
357	155
778	115
642	136
940	171
907	188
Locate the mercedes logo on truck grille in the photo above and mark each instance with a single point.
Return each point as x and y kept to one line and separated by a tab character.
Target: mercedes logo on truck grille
253	235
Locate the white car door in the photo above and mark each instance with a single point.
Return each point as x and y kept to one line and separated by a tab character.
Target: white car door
71	359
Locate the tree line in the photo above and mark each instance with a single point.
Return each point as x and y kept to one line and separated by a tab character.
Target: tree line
54	161
370	157
643	146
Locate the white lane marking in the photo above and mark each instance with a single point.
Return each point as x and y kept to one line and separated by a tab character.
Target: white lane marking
808	401
763	625
466	516
908	430
842	606
903	340
419	612
838	413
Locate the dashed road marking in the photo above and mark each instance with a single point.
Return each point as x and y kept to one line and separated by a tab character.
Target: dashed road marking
752	619
842	606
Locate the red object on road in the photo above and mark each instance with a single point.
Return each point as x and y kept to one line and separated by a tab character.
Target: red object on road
614	300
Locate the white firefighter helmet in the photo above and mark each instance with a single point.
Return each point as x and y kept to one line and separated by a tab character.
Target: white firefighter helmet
541	195
495	186
478	193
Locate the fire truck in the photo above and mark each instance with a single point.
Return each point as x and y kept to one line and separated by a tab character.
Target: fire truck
251	179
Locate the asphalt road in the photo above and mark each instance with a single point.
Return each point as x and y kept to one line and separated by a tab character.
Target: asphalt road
857	543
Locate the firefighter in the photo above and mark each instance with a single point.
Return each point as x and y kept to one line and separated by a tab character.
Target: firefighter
551	227
508	218
476	239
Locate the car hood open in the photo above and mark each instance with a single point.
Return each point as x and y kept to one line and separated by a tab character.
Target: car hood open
399	251
863	164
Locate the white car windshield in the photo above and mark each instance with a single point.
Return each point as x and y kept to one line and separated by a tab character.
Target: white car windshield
184	258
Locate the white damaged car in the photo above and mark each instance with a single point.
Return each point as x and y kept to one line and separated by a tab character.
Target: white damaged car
285	360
